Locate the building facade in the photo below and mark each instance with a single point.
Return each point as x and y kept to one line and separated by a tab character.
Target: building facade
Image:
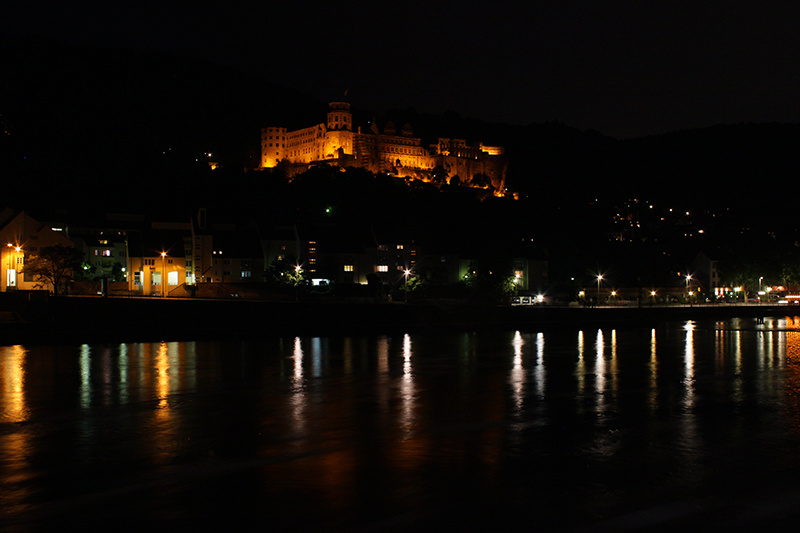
22	236
391	151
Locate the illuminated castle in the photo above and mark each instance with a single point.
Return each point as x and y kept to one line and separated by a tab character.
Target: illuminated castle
335	143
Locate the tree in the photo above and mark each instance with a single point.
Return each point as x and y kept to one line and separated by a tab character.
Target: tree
439	175
481	180
283	272
53	265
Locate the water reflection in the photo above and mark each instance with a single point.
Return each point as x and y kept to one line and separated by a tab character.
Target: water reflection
12	376
653	367
373	420
539	372
688	365
407	389
15	470
517	372
86	374
580	367
600	376
298	398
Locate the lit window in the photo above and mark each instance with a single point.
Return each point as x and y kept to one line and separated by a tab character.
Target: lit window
383	268
348	268
246	273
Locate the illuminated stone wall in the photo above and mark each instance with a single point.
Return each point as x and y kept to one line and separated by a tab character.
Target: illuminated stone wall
273	146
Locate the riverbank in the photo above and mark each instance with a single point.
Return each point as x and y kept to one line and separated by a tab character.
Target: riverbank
75	319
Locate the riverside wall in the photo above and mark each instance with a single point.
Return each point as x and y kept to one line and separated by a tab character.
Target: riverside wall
77	319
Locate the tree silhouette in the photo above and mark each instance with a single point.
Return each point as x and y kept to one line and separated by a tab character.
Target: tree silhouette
53	266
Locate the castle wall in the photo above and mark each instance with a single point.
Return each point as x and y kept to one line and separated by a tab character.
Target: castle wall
402	155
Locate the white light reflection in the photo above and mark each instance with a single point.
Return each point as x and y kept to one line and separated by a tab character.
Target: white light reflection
297	355
517	372
614	372
600	375
770	362
407	388
653	372
689	434
316	357
298	396
85	362
688	364
123	373
539	373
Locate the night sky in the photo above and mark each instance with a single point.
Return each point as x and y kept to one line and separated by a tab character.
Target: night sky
624	68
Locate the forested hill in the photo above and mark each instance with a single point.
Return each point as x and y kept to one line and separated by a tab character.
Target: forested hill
104	121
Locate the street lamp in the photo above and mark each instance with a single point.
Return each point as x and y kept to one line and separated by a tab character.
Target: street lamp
11	275
163	273
599	279
406	272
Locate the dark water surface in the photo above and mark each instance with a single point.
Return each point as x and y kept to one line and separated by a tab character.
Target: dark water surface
688	424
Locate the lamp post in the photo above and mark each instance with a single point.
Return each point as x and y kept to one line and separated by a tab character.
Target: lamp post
688	279
406	272
11	279
297	271
163	273
599	279
8	272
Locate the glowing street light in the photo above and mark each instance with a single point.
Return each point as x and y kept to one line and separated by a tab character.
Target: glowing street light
406	273
163	273
599	279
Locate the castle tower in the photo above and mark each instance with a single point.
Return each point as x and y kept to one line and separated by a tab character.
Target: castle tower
273	146
339	117
339	134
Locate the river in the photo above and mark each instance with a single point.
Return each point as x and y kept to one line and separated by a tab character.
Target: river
566	429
